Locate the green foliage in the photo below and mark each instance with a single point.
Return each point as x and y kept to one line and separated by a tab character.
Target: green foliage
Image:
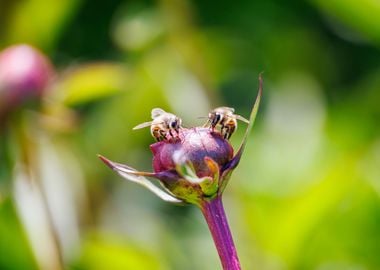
306	194
93	82
101	254
14	247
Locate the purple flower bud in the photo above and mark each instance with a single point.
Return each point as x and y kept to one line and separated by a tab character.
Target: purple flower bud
24	73
192	147
194	166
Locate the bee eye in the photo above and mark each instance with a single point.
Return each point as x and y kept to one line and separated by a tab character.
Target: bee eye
173	124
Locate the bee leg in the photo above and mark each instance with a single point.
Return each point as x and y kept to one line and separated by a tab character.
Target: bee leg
156	135
225	133
177	132
223	130
162	135
212	125
231	130
170	132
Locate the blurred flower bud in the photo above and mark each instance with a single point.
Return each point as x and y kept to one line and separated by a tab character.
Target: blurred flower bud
24	74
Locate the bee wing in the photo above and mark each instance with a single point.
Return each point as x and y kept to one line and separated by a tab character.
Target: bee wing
241	118
156	112
228	109
143	125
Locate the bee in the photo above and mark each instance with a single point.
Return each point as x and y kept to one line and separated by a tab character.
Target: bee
225	117
162	124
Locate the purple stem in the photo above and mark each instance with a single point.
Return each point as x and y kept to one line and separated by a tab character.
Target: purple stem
216	219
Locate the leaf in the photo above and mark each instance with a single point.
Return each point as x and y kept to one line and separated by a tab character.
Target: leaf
252	118
236	159
92	82
45	27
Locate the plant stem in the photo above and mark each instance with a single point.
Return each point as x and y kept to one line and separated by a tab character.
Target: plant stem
216	219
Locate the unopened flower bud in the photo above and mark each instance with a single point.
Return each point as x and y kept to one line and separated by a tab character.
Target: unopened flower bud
24	74
192	147
194	165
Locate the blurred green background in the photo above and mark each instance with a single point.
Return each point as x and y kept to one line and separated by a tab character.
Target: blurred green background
306	194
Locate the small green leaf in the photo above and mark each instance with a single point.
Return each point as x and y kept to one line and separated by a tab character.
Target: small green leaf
236	159
92	82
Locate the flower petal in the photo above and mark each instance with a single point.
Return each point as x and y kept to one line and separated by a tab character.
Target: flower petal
209	185
213	167
138	177
186	170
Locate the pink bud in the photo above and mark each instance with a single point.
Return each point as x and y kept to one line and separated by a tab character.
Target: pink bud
24	73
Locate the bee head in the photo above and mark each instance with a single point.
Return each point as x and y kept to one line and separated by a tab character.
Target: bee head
175	123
